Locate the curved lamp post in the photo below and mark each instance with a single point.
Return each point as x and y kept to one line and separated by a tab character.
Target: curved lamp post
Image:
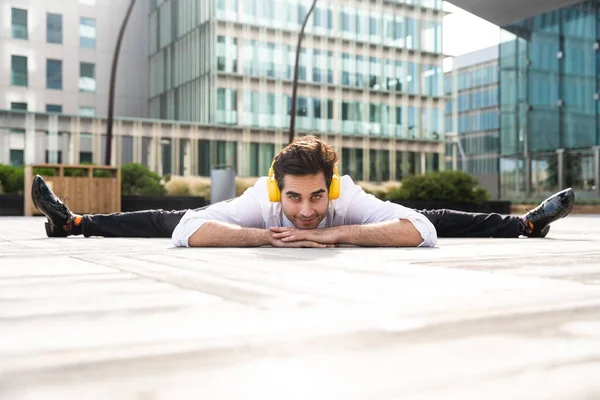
295	82
111	93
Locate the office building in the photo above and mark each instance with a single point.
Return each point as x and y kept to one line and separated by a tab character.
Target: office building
472	113
370	76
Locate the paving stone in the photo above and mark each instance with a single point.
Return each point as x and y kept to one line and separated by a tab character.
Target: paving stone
99	318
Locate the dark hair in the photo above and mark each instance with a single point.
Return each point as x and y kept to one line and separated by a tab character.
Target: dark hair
306	155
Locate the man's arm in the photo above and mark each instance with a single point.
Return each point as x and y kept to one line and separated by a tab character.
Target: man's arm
394	233
221	234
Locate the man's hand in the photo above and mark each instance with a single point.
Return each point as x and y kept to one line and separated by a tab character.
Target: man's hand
299	243
327	236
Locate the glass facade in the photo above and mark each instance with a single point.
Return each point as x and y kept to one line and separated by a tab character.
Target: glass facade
474	117
549	99
238	70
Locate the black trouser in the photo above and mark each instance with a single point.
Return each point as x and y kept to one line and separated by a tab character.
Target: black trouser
160	223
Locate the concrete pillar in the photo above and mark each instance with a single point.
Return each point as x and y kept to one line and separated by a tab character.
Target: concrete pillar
74	141
423	163
392	160
597	169
138	143
97	143
454	156
53	139
366	158
527	171
560	154
30	139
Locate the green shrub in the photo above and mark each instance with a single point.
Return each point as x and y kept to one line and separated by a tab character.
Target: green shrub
44	171
75	172
12	179
138	180
102	173
455	186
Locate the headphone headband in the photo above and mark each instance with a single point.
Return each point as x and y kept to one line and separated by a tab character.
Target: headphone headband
275	193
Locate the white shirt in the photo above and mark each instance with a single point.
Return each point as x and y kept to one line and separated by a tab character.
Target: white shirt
254	210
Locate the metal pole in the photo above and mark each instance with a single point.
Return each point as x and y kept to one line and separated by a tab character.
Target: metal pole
111	94
295	82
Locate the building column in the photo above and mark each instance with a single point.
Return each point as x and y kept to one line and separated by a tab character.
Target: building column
176	149
29	139
454	156
597	169
560	154
97	143
527	162
138	141
392	166
366	158
423	163
116	152
185	146
154	155
53	139
74	141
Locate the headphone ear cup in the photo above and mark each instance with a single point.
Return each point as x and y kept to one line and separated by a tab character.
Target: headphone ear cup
273	189
335	188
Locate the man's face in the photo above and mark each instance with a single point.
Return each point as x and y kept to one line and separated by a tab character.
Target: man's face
304	200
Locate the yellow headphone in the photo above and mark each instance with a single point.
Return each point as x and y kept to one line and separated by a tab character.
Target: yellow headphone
275	193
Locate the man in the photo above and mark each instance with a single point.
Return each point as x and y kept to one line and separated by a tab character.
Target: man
303	203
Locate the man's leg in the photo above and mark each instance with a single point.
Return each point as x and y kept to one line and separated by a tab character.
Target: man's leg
536	223
62	222
147	223
450	223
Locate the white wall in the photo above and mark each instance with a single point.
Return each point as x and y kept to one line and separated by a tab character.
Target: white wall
132	78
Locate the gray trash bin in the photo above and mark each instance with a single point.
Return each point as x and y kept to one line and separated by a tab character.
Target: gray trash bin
222	183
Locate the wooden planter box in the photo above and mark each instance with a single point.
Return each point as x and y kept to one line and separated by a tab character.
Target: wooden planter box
82	194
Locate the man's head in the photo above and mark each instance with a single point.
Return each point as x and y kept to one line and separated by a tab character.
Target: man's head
303	171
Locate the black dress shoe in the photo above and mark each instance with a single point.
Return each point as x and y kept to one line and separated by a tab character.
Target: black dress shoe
554	207
57	213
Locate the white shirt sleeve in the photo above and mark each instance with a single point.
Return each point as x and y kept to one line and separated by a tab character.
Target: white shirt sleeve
243	211
364	208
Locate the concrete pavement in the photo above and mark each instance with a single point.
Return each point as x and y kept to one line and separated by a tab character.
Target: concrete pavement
138	319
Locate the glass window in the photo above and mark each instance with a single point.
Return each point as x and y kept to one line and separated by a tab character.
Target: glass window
412	33
412	78
226	106
87	77
19	23
375	28
17	157
18	106
54	74
18	72
399	31
375	73
53	108
87	33
86	157
226	54
87	111
54	28
227	9
317	73
432	37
